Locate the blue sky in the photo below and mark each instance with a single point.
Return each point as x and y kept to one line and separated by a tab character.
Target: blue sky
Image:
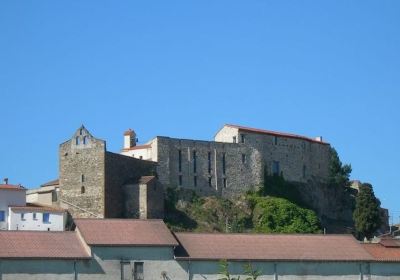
184	68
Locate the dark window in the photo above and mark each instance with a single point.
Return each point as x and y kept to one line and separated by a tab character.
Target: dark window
194	162
22	216
224	182
209	162
195	181
242	138
275	140
304	171
34	216
209	181
275	168
83	189
180	180
46	218
180	160
80	132
234	139
243	158
223	163
77	140
84	140
83	178
2	216
138	273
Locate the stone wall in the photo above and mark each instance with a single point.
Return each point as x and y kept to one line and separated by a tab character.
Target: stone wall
120	171
152	200
199	165
82	175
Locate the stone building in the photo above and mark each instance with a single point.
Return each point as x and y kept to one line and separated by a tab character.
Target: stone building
235	161
96	183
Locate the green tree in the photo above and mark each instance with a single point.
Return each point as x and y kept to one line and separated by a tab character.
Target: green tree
338	173
251	272
366	214
224	270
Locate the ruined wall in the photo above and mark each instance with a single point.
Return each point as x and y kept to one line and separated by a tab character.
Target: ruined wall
81	162
199	165
120	171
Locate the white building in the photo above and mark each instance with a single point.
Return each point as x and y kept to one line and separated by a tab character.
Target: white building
16	214
36	218
9	195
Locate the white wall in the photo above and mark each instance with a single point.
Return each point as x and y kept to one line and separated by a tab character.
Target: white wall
56	221
7	198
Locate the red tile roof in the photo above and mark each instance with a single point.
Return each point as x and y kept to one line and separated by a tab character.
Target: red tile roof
125	232
275	133
41	245
390	242
294	247
34	207
51	183
139	147
12	187
382	253
146	179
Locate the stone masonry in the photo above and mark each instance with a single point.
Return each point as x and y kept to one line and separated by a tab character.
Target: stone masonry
93	181
236	161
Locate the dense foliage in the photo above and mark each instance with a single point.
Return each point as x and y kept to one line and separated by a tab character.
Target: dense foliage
278	215
366	214
339	174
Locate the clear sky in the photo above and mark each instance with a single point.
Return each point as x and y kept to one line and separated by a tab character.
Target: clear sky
184	68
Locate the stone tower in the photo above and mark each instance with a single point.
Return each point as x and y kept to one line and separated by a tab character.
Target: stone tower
98	183
82	174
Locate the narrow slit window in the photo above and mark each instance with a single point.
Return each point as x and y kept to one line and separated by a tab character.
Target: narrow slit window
223	163
242	138
209	162
84	140
83	190
180	180
225	183
180	161
195	181
209	181
243	158
194	162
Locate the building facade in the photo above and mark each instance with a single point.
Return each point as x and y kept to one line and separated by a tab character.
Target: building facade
96	183
147	250
237	160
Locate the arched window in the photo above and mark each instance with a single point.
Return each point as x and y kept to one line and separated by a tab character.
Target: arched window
77	140
82	189
84	140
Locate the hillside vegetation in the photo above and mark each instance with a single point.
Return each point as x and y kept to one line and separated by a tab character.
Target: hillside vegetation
252	212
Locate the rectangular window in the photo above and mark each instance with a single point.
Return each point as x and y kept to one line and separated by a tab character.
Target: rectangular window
23	216
194	162
243	158
138	273
223	164
275	168
82	178
234	139
2	216
275	140
180	180
34	216
126	271
242	138
180	160
224	182
209	181
209	162
46	218
195	181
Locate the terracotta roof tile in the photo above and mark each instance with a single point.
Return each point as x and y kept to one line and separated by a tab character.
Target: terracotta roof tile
270	247
51	183
139	147
41	245
125	232
275	133
34	207
146	179
12	187
390	242
382	253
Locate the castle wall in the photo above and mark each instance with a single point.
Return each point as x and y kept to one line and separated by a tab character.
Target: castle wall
82	175
200	166
152	200
120	171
